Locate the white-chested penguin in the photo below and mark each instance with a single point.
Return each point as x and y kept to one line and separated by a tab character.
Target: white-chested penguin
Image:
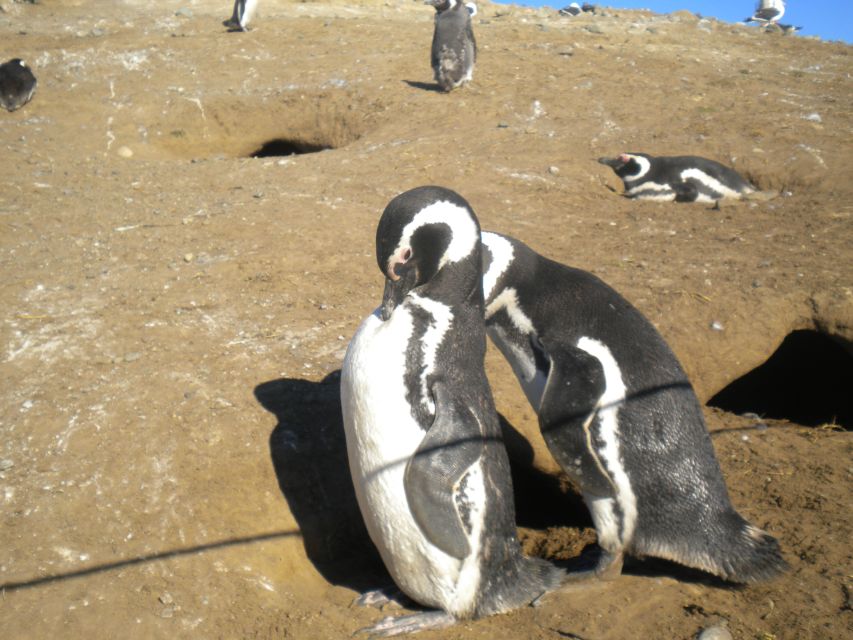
242	15
17	84
620	417
679	178
767	11
454	50
430	470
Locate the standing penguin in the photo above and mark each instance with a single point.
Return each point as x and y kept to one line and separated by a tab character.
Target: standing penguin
17	84
767	11
454	50
679	178
242	15
430	470
620	417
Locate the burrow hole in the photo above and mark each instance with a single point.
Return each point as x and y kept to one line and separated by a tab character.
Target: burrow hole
287	147
808	381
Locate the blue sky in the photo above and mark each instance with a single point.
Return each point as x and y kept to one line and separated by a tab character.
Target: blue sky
829	19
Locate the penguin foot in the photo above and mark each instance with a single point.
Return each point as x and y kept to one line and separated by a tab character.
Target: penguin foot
379	598
609	567
413	623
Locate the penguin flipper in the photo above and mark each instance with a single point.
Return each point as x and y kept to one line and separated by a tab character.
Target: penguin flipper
576	382
445	454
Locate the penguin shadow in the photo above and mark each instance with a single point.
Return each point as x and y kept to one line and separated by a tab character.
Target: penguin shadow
308	454
425	86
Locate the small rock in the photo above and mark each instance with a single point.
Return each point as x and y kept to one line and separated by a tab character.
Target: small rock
188	257
125	152
717	632
716	325
166	598
813	117
554	171
594	28
183	11
6	464
132	357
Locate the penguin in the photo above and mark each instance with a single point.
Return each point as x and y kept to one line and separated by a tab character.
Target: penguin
767	11
17	84
620	416
430	471
678	178
788	29
454	50
242	15
573	9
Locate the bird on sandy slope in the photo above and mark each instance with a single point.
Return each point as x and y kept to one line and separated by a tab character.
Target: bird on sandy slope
17	84
767	11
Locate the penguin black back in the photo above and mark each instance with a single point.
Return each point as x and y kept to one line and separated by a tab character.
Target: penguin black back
454	49
619	414
17	84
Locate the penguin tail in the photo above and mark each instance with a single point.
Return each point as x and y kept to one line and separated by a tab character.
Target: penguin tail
520	582
753	556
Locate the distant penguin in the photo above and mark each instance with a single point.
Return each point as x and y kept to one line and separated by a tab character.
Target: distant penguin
788	29
679	178
242	15
767	11
573	9
454	50
430	471
17	84
620	417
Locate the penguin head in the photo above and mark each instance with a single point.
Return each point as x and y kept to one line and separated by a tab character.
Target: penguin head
629	166
447	5
424	234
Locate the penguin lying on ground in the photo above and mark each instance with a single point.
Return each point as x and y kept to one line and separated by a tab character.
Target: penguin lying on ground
767	11
620	417
242	15
17	84
454	50
679	178
430	470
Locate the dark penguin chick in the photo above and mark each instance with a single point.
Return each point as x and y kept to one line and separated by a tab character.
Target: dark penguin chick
17	84
430	470
619	415
767	11
454	50
679	178
242	15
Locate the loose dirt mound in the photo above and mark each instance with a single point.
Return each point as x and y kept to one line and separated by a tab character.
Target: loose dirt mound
175	310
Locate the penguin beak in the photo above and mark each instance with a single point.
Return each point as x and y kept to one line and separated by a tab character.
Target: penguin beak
614	163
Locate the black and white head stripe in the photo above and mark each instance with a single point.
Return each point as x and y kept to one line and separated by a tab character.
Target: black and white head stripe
416	217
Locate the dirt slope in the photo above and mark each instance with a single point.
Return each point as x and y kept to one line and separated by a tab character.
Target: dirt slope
174	312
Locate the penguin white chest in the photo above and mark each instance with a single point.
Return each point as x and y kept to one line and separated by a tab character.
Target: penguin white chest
382	436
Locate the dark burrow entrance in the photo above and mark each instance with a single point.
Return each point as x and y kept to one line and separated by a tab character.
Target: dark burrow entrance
287	147
808	380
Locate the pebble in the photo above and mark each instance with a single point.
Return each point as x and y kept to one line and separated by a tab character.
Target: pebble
132	357
716	325
183	11
166	598
813	117
553	170
717	632
6	464
125	152
188	257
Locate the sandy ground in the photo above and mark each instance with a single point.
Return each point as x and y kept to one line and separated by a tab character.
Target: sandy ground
175	312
